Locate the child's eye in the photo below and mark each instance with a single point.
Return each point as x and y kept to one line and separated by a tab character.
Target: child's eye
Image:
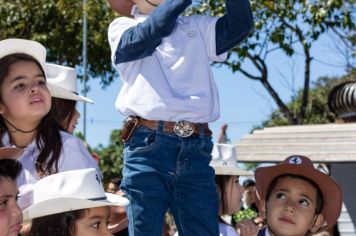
280	195
20	86
304	202
3	203
41	82
95	225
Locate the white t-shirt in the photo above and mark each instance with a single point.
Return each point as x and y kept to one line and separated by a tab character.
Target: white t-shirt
73	156
176	81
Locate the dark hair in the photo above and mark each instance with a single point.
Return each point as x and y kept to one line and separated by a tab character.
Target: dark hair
63	111
48	138
10	169
116	181
61	224
319	196
221	181
248	183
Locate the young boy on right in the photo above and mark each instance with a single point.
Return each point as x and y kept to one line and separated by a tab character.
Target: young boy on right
297	199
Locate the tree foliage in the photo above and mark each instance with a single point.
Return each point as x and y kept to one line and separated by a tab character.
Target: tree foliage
288	26
58	25
111	156
317	111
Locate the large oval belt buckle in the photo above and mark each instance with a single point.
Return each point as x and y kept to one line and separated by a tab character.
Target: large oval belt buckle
183	128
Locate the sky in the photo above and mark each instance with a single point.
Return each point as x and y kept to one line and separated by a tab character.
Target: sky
244	103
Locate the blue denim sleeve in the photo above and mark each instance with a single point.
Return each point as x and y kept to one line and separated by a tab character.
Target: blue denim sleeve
141	40
234	26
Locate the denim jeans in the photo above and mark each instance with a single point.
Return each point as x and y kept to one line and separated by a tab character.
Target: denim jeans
163	170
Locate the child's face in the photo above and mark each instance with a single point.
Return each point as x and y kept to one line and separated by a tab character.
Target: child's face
145	7
291	207
232	196
73	122
10	212
24	95
94	223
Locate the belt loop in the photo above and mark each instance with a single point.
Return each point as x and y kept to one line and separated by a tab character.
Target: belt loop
201	130
160	127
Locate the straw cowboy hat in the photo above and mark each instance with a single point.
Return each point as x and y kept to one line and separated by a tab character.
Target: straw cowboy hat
224	161
68	191
29	47
301	165
123	7
62	83
10	152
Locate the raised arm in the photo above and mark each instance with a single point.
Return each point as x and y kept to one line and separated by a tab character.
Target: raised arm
141	40
234	26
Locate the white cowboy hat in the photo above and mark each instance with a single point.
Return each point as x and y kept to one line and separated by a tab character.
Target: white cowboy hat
10	152
62	83
29	47
224	161
68	191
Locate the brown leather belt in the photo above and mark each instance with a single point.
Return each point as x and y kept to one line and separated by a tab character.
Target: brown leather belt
169	126
181	128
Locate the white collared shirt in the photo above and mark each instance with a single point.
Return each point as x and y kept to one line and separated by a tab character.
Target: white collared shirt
176	81
73	156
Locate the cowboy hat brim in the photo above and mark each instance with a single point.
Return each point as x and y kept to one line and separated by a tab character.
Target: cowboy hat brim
59	205
123	7
59	92
330	190
10	152
225	170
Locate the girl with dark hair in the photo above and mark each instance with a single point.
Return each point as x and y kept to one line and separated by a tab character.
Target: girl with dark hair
62	83
26	120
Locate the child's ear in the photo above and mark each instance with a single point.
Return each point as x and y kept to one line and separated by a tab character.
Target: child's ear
318	223
2	108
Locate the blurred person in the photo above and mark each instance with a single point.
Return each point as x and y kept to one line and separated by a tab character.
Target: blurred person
10	212
62	84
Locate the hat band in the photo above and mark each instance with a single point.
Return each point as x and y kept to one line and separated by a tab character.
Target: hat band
97	199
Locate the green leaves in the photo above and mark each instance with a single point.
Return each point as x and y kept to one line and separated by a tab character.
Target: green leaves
58	26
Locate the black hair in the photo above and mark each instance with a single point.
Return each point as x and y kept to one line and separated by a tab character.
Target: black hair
319	196
10	169
248	183
48	138
63	111
61	224
221	181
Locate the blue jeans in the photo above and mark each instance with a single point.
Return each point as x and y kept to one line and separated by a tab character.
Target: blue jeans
163	170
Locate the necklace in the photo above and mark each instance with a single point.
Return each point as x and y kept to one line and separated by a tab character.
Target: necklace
152	4
19	130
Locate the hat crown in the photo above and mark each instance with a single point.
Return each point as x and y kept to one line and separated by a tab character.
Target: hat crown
224	155
62	76
78	184
224	161
29	47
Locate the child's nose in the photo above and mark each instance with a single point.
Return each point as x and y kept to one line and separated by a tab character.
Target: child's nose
34	88
289	206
